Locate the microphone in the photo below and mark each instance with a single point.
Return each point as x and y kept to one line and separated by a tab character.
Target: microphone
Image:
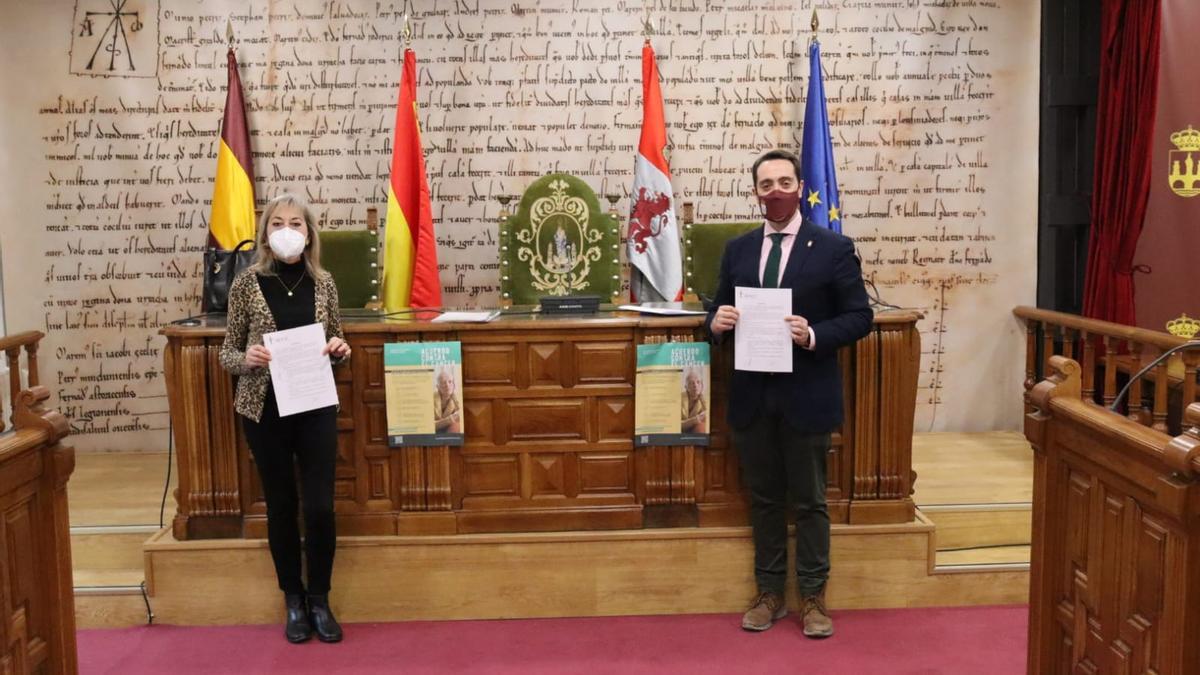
1187	346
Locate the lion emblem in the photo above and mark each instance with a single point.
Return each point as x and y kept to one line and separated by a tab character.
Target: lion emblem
648	217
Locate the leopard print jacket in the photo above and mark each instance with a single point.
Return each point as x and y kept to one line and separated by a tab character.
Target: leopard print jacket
248	318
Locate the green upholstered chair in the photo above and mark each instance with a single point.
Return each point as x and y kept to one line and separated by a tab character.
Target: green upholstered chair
703	245
352	257
559	242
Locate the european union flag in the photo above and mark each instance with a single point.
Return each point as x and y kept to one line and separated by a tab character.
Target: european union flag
820	202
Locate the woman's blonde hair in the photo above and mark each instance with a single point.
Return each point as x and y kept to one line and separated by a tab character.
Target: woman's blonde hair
264	262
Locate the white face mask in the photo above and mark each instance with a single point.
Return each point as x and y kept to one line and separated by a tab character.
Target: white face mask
286	243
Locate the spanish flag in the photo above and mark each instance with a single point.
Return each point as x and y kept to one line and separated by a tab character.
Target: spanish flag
233	188
410	269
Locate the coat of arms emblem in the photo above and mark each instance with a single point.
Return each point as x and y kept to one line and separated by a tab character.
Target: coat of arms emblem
1184	173
559	244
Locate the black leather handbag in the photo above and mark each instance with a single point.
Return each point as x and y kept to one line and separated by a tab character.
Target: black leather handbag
220	269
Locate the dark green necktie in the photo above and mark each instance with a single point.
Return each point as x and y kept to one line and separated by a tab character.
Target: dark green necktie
771	271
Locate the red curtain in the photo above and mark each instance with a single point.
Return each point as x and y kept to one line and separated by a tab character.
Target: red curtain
1130	36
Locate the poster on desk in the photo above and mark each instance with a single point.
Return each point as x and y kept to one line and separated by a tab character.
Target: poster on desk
673	394
423	386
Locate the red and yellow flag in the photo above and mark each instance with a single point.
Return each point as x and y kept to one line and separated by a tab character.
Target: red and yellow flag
410	269
233	188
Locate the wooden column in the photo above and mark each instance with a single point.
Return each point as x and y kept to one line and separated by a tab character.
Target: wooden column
886	367
200	395
670	472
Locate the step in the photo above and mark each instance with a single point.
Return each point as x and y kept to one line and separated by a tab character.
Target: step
984	556
109	547
967	526
110	607
114	578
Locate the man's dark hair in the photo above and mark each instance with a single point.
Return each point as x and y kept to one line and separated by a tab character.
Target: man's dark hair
770	155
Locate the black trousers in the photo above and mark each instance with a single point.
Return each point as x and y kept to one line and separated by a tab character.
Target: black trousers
279	445
777	462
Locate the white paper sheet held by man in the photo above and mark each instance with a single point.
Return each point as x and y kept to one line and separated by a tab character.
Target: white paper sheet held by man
763	340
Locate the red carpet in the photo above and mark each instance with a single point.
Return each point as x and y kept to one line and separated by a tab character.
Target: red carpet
974	640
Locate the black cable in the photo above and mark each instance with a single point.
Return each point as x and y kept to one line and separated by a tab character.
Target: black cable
194	320
146	599
162	507
876	300
1191	344
359	314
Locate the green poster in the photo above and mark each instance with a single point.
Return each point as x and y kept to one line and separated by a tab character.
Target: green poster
672	394
423	385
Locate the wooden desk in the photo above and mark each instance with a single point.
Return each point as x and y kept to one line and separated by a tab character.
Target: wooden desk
37	608
1115	573
548	407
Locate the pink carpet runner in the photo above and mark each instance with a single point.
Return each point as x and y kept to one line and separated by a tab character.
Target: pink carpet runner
974	640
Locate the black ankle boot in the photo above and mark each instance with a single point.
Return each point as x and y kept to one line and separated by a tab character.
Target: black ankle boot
298	628
321	615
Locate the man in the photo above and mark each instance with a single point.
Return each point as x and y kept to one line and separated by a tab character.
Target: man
694	414
782	421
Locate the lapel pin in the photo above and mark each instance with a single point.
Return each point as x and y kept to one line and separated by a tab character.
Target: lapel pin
810	241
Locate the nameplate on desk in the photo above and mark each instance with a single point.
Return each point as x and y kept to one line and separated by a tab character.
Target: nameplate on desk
570	304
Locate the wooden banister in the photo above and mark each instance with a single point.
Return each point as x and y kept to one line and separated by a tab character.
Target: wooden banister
1150	338
11	346
1111	353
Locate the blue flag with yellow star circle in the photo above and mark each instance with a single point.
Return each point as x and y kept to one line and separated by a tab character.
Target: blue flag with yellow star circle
820	202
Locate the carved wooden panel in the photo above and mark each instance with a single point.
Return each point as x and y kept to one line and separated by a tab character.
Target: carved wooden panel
489	364
605	472
24	605
478	421
376	431
371	356
37	614
377	479
604	363
614	418
491	475
1110	587
544	364
547	420
546	475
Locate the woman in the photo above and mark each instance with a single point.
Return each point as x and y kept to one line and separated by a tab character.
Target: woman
286	288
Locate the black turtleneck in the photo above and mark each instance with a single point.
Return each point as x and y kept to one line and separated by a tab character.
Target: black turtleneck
298	309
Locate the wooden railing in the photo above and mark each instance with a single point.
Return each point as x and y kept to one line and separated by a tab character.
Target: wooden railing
37	609
1115	569
1108	354
11	346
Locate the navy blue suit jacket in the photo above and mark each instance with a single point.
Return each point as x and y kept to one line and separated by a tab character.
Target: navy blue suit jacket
825	278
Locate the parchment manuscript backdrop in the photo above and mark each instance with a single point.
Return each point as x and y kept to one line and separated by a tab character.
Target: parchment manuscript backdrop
111	126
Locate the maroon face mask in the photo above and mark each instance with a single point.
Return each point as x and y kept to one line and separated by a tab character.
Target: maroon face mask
779	206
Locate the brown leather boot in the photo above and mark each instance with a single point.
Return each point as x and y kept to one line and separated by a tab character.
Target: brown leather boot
817	623
767	608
